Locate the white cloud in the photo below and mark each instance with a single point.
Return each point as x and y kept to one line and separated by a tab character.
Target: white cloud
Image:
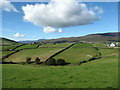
60	30
7	6
49	29
18	35
59	13
98	9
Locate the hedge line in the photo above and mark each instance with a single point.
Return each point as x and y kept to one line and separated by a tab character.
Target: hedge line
59	52
6	56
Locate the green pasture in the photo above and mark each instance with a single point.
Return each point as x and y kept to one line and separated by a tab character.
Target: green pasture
87	45
109	51
42	53
101	73
0	47
9	47
77	53
55	45
100	45
27	46
4	53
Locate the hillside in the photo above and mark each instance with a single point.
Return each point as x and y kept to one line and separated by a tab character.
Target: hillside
100	37
6	41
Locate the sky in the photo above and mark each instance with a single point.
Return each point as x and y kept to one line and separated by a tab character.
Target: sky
33	21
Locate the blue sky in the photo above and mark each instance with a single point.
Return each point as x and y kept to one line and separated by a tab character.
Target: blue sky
13	23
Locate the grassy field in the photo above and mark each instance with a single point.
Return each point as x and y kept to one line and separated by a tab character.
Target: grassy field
109	51
55	45
0	75
77	53
101	45
87	45
27	46
6	41
9	47
42	53
102	73
6	52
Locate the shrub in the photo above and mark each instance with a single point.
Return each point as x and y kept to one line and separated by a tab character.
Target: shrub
7	49
37	60
28	60
50	61
23	63
60	61
11	62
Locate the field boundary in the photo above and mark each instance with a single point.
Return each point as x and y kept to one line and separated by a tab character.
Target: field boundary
14	48
97	56
6	56
59	52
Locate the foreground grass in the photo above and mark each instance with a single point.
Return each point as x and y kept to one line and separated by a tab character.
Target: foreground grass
0	76
101	73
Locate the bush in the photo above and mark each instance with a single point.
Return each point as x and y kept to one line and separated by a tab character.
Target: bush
50	61
37	60
28	60
23	63
7	49
11	62
61	62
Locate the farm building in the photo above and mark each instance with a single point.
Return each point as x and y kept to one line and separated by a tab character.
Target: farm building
112	45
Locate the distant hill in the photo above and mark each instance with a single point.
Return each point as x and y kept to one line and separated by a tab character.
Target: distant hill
6	41
27	41
30	41
100	37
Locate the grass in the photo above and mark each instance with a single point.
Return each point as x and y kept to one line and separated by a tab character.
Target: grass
102	73
27	46
87	45
109	51
55	45
7	41
78	53
6	52
0	75
42	53
101	45
9	47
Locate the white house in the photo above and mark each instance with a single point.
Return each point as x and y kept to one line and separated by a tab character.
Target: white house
112	45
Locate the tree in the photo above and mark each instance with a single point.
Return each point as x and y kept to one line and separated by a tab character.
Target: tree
37	60
50	61
60	61
28	60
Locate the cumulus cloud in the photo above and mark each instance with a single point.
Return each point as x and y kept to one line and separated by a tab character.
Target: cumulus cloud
60	30
18	35
50	29
7	6
98	9
60	13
